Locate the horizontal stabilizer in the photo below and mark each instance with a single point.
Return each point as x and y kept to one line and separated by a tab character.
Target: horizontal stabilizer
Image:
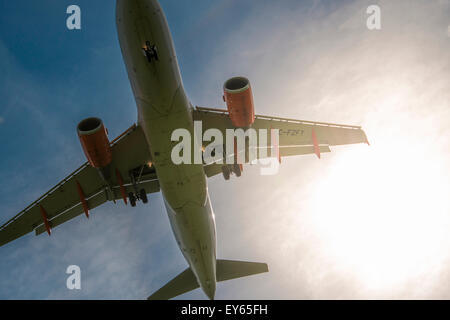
230	269
182	283
226	270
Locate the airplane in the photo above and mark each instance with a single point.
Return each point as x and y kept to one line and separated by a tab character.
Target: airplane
138	162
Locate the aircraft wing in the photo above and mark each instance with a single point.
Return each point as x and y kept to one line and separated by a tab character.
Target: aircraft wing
296	137
64	201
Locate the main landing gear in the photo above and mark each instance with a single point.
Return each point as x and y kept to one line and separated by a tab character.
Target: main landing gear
229	169
138	194
136	197
150	51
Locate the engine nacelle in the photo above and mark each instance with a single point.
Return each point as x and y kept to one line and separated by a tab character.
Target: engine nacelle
239	99
95	143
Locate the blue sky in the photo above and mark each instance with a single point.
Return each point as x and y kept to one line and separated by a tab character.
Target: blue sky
308	60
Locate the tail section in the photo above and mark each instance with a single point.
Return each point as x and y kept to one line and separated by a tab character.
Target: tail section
225	270
231	269
182	283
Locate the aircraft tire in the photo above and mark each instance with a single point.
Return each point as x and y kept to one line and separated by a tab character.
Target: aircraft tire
132	199
143	195
226	172
237	170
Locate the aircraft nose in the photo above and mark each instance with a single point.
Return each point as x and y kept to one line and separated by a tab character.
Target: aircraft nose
127	11
140	4
126	5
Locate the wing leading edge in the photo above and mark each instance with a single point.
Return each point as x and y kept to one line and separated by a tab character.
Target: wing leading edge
84	189
296	137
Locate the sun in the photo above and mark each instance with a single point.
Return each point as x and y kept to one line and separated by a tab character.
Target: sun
382	213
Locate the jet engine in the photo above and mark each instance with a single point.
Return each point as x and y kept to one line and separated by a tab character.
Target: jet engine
239	99
95	143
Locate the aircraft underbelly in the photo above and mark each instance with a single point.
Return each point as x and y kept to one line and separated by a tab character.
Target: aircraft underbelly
194	230
162	108
161	100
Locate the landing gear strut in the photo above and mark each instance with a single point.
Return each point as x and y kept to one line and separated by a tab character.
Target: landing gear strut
137	194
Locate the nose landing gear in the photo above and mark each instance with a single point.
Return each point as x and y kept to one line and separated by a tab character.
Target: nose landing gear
150	51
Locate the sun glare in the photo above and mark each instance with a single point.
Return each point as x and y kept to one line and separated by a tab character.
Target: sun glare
381	215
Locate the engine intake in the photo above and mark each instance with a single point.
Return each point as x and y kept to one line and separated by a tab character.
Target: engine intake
239	99
94	140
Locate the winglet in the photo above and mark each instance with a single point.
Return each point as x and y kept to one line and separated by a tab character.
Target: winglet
316	144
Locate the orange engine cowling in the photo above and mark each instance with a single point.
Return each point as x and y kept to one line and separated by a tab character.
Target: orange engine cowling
239	99
95	143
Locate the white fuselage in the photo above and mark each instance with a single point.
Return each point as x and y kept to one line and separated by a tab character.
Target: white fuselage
163	107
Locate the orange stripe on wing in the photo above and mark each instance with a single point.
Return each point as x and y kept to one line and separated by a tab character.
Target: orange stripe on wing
315	143
46	223
83	199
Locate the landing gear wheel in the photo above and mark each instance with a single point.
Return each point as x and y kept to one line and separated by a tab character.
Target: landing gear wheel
143	195
237	169
226	172
132	199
